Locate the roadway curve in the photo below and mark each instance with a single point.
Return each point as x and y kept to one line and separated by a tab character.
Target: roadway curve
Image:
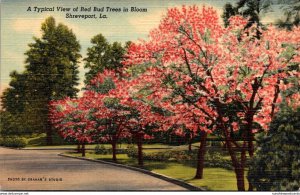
39	170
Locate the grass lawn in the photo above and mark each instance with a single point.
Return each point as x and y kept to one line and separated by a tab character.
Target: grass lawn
148	148
40	142
214	178
37	140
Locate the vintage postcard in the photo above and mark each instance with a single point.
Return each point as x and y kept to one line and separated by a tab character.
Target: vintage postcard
171	95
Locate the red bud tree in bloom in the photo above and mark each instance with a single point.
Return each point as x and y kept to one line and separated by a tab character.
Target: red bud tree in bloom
140	120
115	113
181	115
94	117
71	118
106	112
200	64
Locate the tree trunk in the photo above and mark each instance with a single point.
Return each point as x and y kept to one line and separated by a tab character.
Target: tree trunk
250	186
250	138
49	134
201	153
190	144
83	150
224	147
251	154
239	173
238	167
78	148
114	152
168	138
140	149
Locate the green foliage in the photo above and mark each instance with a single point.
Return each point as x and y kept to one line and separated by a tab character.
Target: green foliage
251	9
51	72
276	165
104	87
52	62
13	97
229	10
216	159
100	149
14	142
41	140
291	10
212	158
254	8
10	124
103	55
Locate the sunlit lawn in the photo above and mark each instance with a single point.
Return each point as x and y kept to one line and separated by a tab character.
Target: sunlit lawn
214	178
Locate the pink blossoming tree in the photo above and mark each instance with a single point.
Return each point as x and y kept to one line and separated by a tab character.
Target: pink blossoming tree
202	65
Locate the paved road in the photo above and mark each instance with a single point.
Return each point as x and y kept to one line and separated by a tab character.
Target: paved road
42	170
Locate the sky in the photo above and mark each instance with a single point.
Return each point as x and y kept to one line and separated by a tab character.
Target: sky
19	25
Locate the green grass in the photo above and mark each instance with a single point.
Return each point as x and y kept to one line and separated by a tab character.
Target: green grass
122	158
92	155
40	142
37	140
216	179
156	146
60	146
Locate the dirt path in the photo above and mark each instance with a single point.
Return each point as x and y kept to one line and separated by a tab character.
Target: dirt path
45	170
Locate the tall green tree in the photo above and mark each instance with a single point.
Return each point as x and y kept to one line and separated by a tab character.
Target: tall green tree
103	55
11	124
14	98
17	116
276	165
229	10
51	72
291	14
252	9
52	63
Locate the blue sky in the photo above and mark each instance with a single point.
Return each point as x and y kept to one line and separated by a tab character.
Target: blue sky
18	26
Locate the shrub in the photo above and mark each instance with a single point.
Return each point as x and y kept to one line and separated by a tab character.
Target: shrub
215	159
159	156
212	159
100	149
276	165
217	144
14	142
132	152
